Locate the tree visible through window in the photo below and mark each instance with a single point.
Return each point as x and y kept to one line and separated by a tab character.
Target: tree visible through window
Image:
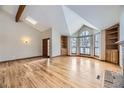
73	45
96	44
85	42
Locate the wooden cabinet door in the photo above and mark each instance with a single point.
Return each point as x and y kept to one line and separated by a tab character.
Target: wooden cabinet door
112	56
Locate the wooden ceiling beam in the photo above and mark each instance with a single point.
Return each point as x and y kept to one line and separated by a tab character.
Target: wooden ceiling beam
19	12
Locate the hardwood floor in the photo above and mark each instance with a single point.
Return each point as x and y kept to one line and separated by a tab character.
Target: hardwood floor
58	72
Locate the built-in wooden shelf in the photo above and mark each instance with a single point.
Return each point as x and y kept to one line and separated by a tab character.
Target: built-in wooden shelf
114	32
111	38
113	27
112	49
64	45
110	44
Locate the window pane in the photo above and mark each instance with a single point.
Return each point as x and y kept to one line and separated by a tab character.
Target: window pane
82	50
96	44
84	33
87	51
73	50
97	51
73	45
85	43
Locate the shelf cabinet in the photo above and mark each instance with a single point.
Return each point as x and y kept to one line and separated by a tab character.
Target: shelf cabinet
112	49
64	45
112	55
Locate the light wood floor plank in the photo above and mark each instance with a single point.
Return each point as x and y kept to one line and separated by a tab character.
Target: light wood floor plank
69	72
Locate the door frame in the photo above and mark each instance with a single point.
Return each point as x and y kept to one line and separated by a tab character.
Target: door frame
45	51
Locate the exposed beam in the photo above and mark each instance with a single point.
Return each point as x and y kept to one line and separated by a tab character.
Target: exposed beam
19	12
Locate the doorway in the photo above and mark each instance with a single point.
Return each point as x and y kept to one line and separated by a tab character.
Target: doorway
46	47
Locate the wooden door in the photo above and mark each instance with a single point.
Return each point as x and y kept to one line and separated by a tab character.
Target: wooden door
46	47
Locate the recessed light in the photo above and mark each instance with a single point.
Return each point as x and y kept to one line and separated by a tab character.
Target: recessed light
31	20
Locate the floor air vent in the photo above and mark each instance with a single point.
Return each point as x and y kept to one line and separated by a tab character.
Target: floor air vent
108	77
113	80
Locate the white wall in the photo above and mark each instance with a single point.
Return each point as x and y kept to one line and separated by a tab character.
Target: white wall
121	33
11	34
56	43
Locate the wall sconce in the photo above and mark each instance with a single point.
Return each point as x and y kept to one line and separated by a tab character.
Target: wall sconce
26	40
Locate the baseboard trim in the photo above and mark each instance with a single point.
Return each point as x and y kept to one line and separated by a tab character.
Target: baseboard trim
94	57
87	56
19	59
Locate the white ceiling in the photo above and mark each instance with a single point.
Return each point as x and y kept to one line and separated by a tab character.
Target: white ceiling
101	16
74	21
48	16
56	17
10	9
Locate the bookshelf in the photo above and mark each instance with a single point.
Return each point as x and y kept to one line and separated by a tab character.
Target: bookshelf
64	45
112	49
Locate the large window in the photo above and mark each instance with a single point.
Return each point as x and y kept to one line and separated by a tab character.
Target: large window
96	44
73	45
85	43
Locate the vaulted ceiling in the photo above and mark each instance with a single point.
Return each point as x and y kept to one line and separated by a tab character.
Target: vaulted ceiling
68	19
101	16
48	17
